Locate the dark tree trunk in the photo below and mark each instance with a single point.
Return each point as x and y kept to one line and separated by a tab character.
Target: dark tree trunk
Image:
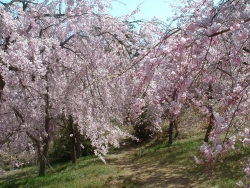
211	118
2	84
44	153
170	132
172	122
176	130
73	150
172	125
42	167
43	160
78	143
72	141
209	128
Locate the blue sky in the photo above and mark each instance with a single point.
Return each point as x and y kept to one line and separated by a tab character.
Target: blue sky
148	8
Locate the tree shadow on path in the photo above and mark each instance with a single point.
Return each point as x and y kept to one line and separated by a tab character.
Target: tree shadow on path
152	171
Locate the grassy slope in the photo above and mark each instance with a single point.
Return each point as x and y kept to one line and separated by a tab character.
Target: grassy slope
185	172
88	172
154	164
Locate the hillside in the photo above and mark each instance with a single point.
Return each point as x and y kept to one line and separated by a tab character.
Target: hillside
151	164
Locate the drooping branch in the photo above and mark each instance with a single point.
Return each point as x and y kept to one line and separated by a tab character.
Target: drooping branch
67	40
8	136
224	71
54	15
218	33
37	141
225	30
8	4
18	114
25	3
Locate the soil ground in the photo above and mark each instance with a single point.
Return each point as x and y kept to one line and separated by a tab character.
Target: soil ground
143	173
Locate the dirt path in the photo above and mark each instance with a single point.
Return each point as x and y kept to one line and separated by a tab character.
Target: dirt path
139	173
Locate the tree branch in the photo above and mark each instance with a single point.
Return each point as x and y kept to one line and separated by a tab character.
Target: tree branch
18	114
246	49
67	40
37	141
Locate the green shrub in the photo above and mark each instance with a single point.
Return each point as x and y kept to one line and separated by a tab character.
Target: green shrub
60	146
143	126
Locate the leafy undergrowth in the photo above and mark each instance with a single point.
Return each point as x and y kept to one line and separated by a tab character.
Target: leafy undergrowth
151	164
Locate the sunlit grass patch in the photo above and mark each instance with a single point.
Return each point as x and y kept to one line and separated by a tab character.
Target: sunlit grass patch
151	164
180	155
88	172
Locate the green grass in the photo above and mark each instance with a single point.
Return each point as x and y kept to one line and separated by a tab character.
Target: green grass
88	172
181	155
149	163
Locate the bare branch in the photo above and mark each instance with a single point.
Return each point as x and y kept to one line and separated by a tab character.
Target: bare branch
37	141
18	114
218	33
246	49
67	40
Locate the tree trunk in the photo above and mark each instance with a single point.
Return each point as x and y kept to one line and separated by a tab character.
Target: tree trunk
176	130
2	84
73	150
211	118
209	128
72	141
172	122
78	143
44	153
43	158
42	167
45	144
170	131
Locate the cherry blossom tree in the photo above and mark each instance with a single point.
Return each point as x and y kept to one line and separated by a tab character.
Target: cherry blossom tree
203	61
211	46
70	59
63	58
